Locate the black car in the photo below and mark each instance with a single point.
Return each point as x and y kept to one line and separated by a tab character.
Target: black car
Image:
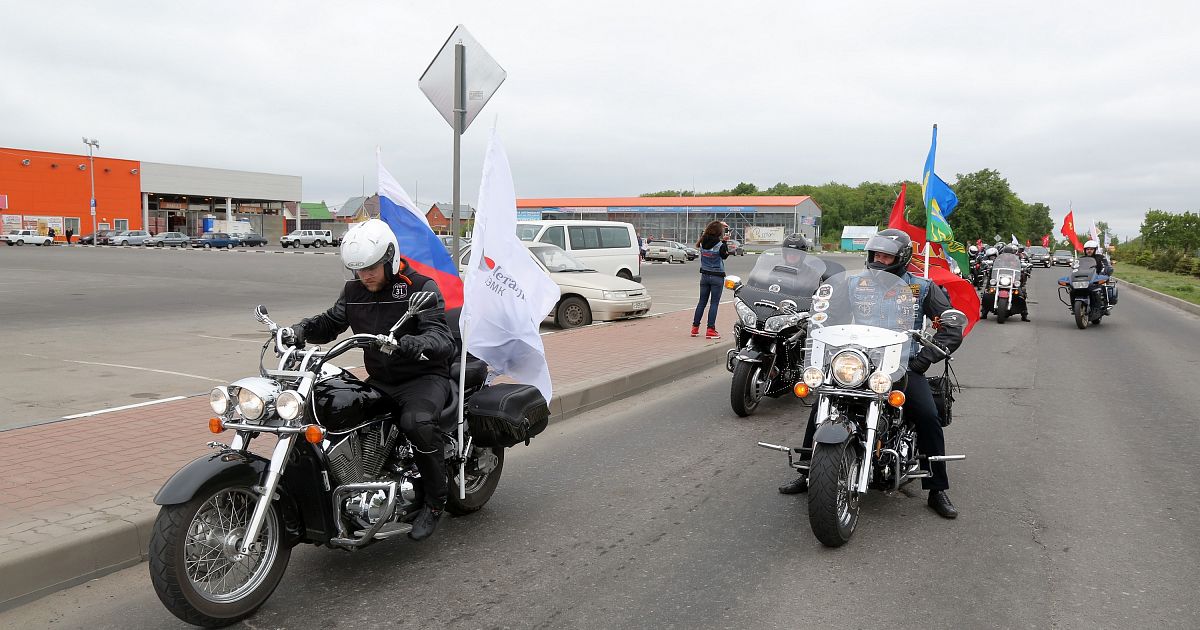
252	240
1038	255
1063	257
90	239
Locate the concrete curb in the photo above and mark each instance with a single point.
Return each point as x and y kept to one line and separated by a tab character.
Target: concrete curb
1162	297
77	556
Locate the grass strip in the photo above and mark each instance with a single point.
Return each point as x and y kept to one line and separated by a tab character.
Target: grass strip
1173	284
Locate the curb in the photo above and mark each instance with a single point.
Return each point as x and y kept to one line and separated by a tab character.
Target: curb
75	557
1162	297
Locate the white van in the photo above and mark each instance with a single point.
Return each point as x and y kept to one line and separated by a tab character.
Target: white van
609	247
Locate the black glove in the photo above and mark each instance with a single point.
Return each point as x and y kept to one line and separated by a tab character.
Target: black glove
409	348
295	337
918	364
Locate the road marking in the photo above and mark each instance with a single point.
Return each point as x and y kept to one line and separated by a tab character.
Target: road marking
231	339
124	407
128	367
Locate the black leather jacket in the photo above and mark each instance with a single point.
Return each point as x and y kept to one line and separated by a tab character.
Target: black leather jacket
374	313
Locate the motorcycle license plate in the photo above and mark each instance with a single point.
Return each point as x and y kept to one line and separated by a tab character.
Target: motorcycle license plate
1003	293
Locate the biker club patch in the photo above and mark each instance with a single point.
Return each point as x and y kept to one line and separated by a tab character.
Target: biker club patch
916	289
399	290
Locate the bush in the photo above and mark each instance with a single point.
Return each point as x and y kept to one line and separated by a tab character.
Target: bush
1143	258
1165	260
1184	265
1196	267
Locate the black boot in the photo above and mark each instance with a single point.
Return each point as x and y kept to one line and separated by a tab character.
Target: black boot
1025	317
425	523
798	486
941	504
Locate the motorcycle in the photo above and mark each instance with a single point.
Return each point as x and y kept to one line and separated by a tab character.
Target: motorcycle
860	342
769	332
1085	294
1006	292
340	474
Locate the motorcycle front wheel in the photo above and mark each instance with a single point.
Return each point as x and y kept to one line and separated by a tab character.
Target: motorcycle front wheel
832	505
194	564
480	483
1001	313
1081	315
747	388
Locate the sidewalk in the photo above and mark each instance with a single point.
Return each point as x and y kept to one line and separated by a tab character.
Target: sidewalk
76	495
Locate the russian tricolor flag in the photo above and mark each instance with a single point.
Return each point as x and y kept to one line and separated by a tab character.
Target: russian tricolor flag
418	244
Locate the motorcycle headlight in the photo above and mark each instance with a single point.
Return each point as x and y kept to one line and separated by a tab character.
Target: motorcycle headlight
779	322
849	368
745	313
250	404
289	405
218	399
813	377
880	383
1005	281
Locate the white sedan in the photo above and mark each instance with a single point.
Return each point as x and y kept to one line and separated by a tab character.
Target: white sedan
21	237
587	295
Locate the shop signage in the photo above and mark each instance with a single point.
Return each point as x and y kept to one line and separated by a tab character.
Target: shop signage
11	222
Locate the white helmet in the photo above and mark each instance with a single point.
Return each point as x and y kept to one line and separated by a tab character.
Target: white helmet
991	251
368	243
973	249
1092	244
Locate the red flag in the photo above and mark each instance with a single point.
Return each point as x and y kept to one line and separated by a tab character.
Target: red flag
1068	230
898	221
1026	242
962	293
1046	241
979	243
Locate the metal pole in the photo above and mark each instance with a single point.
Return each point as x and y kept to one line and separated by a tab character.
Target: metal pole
460	85
92	175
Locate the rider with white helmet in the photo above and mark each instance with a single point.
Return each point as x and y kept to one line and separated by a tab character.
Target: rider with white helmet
417	373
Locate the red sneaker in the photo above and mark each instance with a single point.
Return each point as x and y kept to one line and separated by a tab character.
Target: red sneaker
695	331
712	334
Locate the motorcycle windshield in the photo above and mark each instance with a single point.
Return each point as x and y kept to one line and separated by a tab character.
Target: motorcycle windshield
868	310
780	275
1006	264
1083	271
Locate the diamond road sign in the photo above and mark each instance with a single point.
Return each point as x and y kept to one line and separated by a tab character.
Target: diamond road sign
483	77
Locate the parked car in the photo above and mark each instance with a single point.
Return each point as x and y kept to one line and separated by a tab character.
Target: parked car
309	238
106	237
90	239
609	247
448	241
1063	257
162	239
587	295
692	252
22	237
130	237
1038	255
210	240
735	248
669	251
250	239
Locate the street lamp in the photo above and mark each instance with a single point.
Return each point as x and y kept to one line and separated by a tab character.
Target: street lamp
92	143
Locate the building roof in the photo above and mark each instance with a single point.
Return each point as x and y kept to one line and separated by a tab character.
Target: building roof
465	211
674	202
316	210
859	231
352	207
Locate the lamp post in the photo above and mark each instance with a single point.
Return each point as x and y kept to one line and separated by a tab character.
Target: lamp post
92	143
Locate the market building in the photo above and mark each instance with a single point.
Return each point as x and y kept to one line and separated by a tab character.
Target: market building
753	219
855	237
53	190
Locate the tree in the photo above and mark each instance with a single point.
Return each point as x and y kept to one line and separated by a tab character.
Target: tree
744	189
986	206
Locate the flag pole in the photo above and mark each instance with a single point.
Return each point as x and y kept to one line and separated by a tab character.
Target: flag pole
927	248
462	392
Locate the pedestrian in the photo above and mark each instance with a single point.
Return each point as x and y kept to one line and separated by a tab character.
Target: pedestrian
714	249
50	233
644	247
70	233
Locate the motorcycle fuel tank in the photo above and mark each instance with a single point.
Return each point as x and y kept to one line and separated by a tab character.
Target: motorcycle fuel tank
344	403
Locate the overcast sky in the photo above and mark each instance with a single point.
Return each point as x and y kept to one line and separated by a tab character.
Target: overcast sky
1095	104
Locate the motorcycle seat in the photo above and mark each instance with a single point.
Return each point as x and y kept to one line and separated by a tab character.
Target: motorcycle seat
477	371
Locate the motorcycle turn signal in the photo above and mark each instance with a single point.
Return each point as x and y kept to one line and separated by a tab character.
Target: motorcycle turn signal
801	390
216	425
314	434
896	398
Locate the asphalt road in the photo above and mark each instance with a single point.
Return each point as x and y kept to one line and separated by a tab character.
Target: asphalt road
106	327
1078	511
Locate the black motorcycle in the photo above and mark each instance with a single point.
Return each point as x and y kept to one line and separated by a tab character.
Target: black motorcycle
1007	286
769	332
1086	295
341	473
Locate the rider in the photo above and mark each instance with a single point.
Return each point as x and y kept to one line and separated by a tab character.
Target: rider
1019	252
1104	269
417	373
891	250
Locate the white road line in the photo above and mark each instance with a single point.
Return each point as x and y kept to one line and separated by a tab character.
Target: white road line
259	342
128	367
124	407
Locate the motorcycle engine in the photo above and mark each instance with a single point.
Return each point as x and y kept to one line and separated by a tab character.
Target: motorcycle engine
368	506
361	454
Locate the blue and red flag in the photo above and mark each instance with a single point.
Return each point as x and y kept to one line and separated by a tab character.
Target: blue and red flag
418	244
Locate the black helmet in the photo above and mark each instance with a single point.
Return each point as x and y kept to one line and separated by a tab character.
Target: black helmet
796	241
1009	249
894	242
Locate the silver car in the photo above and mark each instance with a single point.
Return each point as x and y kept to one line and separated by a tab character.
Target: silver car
163	239
130	237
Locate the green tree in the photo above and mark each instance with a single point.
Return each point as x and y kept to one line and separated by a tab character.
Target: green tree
986	206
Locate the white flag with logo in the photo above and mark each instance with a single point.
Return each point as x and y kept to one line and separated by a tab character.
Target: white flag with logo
506	295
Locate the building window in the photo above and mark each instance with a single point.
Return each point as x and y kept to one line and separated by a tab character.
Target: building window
122	225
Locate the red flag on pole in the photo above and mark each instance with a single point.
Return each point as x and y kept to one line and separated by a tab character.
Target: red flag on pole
1046	241
962	293
898	221
1068	230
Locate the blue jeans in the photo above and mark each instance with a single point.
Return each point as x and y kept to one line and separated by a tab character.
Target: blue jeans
710	293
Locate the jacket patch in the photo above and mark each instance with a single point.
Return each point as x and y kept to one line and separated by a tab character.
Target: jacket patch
399	290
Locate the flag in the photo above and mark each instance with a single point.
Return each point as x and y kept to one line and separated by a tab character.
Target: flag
979	243
939	199
1092	232
898	221
958	252
1014	239
1046	241
507	295
962	293
418	244
1068	230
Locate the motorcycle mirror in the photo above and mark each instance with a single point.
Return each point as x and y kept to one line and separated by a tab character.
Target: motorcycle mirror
733	282
260	313
421	300
788	306
953	318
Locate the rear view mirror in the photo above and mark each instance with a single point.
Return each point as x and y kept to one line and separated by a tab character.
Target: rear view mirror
260	313
421	300
733	282
953	318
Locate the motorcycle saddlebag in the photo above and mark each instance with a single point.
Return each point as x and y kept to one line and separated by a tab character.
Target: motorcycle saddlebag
943	397
507	414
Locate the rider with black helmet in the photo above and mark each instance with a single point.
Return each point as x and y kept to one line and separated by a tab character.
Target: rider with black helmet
891	250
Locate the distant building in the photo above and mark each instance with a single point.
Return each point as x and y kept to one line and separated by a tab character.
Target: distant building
855	237
439	215
358	209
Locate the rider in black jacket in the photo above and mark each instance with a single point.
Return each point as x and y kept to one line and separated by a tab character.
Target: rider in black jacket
891	250
417	373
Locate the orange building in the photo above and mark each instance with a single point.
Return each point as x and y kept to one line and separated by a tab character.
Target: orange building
52	190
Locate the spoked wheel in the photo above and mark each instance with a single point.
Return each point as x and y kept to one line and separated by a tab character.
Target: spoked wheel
832	506
747	389
483	474
194	562
1081	316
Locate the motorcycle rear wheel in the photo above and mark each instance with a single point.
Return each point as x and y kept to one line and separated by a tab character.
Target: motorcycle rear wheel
745	392
832	506
480	486
192	551
1081	315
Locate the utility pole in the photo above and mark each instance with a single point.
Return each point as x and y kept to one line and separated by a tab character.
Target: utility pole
92	174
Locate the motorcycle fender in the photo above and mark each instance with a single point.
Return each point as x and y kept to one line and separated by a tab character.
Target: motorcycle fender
831	433
208	471
750	355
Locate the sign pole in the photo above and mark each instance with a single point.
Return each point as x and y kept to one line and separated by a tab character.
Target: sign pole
459	113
